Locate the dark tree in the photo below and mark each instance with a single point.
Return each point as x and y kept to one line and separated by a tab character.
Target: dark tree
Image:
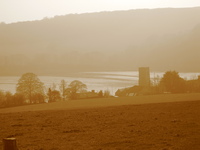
100	94
9	99
49	95
18	99
106	93
193	86
68	93
75	88
55	96
2	98
38	98
29	85
173	83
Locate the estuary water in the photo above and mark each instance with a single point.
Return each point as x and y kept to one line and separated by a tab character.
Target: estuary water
94	80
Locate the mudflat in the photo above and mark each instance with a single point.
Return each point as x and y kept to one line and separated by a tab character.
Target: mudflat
139	126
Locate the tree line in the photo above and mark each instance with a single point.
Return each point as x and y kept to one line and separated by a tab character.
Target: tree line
30	90
171	82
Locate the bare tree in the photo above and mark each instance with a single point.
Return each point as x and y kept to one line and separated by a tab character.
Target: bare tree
29	85
53	87
76	87
63	86
106	93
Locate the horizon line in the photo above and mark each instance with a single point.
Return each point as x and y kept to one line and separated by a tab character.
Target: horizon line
92	12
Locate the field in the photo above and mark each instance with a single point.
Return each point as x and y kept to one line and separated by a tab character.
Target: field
162	122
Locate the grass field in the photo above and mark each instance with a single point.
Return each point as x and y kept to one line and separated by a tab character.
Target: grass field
161	122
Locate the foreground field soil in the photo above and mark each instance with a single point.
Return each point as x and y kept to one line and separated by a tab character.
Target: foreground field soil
156	126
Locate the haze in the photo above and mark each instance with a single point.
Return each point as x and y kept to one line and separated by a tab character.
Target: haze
63	63
163	39
26	10
117	36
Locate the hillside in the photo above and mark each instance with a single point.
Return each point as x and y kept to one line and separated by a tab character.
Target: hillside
120	40
179	53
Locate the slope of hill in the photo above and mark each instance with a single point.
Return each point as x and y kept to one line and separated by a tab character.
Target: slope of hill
121	40
181	53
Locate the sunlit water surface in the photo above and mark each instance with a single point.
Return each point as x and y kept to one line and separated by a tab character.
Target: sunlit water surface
94	80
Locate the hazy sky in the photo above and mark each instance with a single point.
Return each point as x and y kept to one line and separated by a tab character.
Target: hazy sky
22	10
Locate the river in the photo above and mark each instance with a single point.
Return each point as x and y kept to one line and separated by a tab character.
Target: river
94	80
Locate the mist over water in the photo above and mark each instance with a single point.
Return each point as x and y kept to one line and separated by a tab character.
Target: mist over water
88	44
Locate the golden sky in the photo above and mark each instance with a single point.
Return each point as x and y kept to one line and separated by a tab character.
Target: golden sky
23	10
